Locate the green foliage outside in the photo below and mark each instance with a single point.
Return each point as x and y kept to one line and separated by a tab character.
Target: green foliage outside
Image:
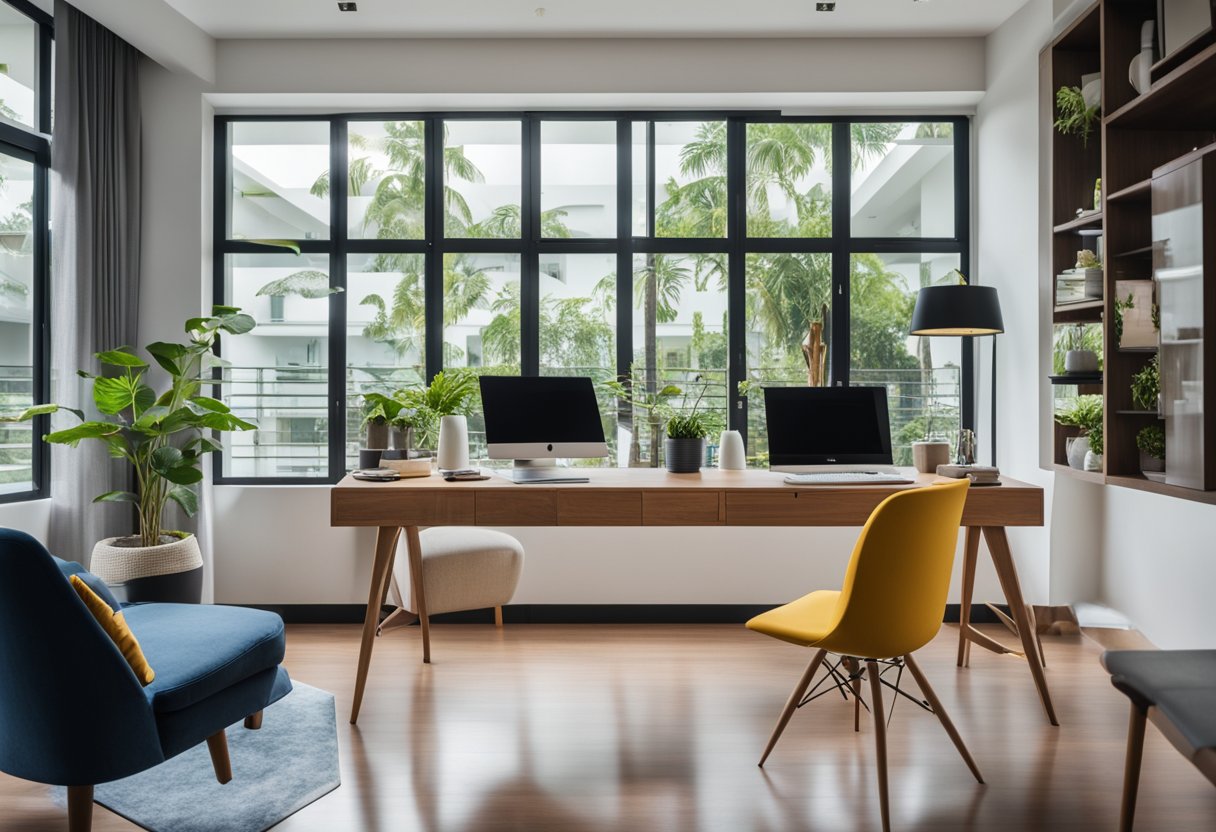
785	291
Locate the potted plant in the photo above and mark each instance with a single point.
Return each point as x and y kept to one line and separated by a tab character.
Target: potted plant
1076	115
378	412
1146	387
450	393
164	437
1151	443
685	431
1084	413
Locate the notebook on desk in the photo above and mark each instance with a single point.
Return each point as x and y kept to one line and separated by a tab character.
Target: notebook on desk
830	435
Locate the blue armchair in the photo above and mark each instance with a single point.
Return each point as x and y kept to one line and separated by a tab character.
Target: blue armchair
72	713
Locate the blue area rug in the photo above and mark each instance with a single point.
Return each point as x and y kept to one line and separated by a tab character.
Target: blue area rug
276	771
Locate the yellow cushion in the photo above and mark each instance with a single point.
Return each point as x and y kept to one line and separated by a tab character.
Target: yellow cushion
803	622
116	628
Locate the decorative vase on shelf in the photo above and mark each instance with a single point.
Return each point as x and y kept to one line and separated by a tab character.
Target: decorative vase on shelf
1077	448
1093	461
1150	463
453	443
1080	361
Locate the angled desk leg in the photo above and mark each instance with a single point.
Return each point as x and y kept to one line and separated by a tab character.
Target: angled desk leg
416	590
1006	571
382	568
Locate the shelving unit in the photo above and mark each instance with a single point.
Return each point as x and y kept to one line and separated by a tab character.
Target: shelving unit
1139	134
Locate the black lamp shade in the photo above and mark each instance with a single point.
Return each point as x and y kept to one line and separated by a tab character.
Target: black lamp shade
957	310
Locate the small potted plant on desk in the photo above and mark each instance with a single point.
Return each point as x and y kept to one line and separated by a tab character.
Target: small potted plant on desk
164	437
450	393
686	431
1084	413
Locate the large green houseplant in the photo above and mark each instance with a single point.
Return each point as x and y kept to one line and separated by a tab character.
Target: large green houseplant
164	437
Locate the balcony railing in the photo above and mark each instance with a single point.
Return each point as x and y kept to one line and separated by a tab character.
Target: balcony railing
290	405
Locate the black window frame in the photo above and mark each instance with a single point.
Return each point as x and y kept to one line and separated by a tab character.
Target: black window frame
33	144
736	245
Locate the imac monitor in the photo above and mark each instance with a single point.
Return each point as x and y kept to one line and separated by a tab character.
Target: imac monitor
828	429
529	419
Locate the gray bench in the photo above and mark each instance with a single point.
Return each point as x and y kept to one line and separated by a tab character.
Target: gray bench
1176	689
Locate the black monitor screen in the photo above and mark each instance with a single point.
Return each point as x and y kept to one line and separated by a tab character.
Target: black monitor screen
540	410
827	425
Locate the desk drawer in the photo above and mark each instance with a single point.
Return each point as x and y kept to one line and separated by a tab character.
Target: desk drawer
681	508
599	508
394	507
802	508
511	507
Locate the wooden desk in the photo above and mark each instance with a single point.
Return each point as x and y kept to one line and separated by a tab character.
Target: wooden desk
653	497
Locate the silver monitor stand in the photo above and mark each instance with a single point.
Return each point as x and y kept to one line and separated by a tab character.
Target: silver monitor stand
536	471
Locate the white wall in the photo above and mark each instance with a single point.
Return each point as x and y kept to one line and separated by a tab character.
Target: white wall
34	518
274	544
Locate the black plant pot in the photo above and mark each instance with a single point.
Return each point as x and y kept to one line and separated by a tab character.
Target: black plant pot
684	456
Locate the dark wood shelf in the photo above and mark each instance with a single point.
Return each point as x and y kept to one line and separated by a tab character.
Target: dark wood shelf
1086	220
1184	99
1143	251
1084	33
1077	378
1137	413
1140	192
1142	483
1137	349
1086	311
1096	477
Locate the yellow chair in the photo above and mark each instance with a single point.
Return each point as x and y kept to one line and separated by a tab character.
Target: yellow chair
890	606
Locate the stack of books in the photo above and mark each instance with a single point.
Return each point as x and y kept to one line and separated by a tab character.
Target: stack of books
1078	285
978	474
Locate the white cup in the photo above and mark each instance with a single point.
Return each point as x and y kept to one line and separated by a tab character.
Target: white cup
731	455
453	443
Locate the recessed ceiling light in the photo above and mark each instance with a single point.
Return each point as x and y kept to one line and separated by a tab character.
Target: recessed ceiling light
825	7
348	7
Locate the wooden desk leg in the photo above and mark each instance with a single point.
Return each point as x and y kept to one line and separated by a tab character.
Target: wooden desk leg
416	589
382	568
971	555
1002	558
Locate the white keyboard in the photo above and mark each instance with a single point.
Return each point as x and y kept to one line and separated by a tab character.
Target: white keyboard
846	478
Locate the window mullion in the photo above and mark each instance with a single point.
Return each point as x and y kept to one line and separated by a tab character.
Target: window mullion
338	180
433	224
841	231
736	290
529	265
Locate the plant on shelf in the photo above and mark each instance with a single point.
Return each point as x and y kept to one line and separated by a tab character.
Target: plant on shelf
1085	414
1073	115
162	435
1121	306
1146	386
379	412
1151	443
1068	344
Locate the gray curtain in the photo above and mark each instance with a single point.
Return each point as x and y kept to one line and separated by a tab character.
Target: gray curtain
95	198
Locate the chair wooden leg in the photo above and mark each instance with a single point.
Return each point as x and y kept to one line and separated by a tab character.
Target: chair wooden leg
254	721
80	808
498	616
217	744
792	704
880	741
942	716
1131	768
851	665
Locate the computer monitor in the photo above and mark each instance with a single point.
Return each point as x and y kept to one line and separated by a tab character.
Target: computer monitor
541	418
828	428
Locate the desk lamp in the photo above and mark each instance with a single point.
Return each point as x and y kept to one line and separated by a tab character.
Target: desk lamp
961	310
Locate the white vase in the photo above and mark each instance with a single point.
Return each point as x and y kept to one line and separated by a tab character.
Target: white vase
1078	447
1093	461
731	454
453	443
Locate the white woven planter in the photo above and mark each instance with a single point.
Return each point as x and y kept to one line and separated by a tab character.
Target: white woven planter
116	563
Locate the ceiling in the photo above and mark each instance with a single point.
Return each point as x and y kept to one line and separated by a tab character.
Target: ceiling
594	18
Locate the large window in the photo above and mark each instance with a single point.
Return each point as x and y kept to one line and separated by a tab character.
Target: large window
698	250
25	123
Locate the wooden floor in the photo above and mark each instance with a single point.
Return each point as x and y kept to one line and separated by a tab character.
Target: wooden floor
639	728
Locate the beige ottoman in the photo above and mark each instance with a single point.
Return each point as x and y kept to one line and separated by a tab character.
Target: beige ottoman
463	568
